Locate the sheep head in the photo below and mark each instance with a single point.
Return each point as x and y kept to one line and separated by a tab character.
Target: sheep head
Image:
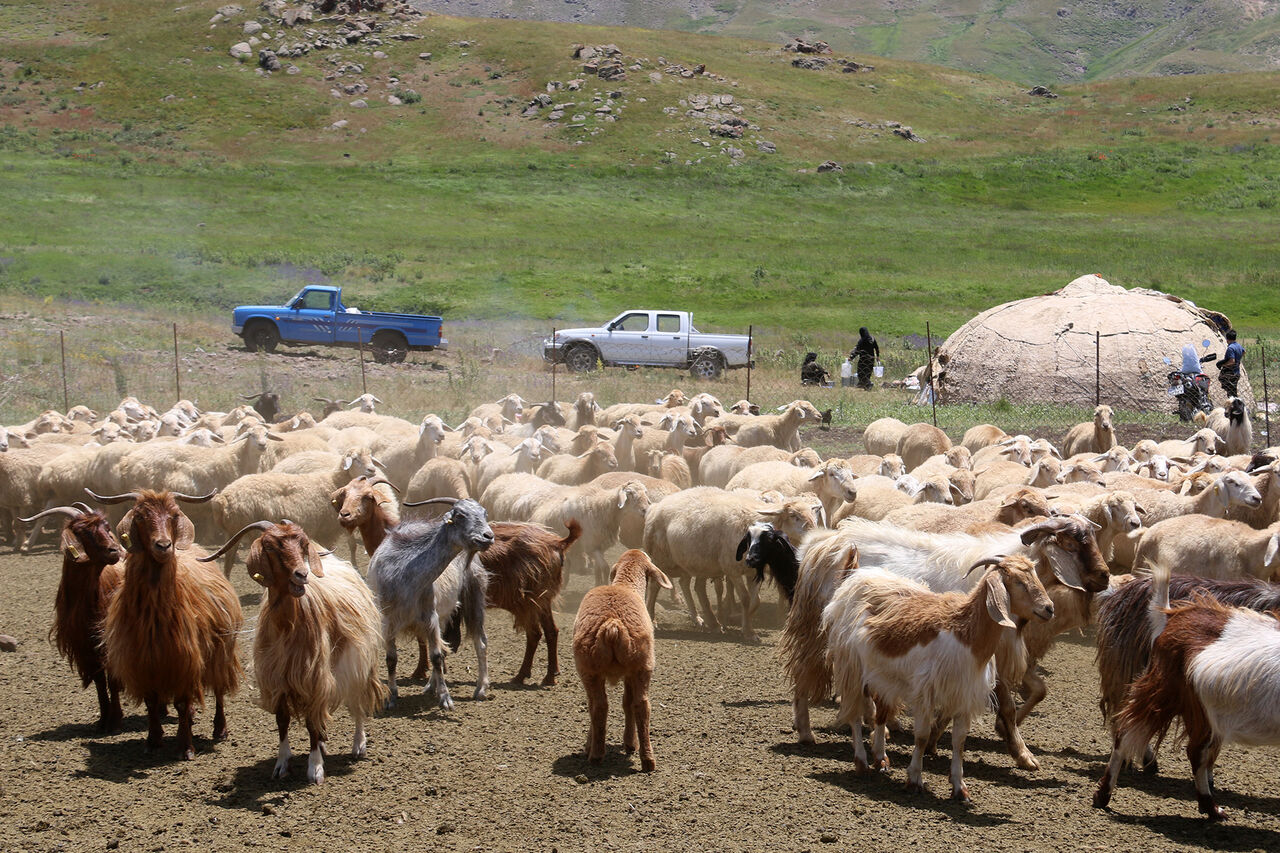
794	517
634	569
1102	418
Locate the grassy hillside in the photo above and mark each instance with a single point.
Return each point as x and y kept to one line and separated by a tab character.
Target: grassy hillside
141	163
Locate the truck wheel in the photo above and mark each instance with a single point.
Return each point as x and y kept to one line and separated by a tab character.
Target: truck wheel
707	366
389	348
581	358
261	336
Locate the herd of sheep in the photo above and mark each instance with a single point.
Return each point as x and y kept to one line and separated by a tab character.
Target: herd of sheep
920	576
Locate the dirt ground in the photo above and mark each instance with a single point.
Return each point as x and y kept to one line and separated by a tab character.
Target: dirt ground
508	774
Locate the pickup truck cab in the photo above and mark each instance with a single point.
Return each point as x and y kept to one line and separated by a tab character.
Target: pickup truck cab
316	315
649	338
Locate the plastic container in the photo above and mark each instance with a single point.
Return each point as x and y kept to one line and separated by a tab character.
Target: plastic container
878	371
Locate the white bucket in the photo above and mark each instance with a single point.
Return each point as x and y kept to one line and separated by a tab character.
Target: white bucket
878	372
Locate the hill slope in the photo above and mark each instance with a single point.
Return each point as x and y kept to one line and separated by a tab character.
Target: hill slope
1034	41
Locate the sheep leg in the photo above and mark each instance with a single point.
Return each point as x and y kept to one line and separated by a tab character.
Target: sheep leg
185	742
36	530
920	731
1034	690
424	661
640	698
552	633
155	719
739	584
219	718
959	731
284	754
315	761
1203	750
711	623
597	710
687	589
1107	784
629	742
1012	737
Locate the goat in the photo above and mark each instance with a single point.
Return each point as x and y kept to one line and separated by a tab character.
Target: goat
895	641
1232	425
170	629
266	403
612	641
90	577
422	573
1213	666
764	546
316	643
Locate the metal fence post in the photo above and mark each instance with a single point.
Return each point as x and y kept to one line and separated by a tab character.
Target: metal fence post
933	394
1097	368
62	347
553	364
1266	397
177	375
750	334
364	384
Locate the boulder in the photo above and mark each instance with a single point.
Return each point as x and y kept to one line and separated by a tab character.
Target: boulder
359	103
8	644
830	166
766	147
230	10
268	61
252	28
1041	92
241	51
810	63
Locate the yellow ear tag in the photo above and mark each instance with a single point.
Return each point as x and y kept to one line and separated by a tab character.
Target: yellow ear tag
73	552
124	540
259	578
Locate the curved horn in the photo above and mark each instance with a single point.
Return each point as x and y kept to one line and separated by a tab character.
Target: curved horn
449	501
385	482
257	525
323	400
194	499
54	510
112	499
83	507
1046	527
985	561
251	396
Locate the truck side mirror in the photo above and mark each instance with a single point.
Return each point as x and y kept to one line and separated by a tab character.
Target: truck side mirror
612	326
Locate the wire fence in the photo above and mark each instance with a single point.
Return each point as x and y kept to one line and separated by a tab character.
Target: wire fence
54	366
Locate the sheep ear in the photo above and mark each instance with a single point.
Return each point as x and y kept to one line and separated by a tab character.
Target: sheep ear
745	544
1139	509
71	547
346	462
818	472
658	577
186	534
998	601
313	558
1273	550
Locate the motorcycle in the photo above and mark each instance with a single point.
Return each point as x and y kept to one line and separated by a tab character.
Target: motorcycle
1191	387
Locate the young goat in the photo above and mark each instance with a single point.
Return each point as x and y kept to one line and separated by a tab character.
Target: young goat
1214	667
612	641
893	640
90	577
316	644
766	546
170	629
422	573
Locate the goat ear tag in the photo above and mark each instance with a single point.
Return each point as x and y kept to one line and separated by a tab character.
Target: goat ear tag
71	547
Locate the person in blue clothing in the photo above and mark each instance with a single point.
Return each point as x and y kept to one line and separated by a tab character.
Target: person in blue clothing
1229	367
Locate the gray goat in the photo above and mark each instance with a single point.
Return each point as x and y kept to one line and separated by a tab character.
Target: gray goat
424	575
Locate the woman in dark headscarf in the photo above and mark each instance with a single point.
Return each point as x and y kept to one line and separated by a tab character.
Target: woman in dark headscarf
866	352
812	373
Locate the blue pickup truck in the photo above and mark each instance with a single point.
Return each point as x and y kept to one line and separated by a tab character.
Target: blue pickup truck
316	315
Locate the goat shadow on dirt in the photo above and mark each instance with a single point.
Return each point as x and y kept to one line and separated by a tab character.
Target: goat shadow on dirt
251	787
1194	830
890	788
617	763
127	758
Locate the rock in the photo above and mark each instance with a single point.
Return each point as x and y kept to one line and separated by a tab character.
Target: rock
604	109
590	67
405	36
252	28
424	56
216	19
906	133
394	101
830	166
292	69
555	115
241	51
734	153
1041	92
8	644
339	124
848	66
574	85
581	779
810	63
829	838
542	100
579	117
766	147
230	10
359	103
655	76
168	99
726	130
378	54
802	46
268	61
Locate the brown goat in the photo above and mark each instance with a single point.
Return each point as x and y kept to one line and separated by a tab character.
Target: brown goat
612	641
170	630
317	642
90	577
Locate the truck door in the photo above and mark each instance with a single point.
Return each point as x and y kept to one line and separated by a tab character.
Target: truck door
668	339
627	339
310	317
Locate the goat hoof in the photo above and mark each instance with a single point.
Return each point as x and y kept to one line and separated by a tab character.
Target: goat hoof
1211	810
882	765
806	737
1151	768
481	694
595	759
419	675
860	767
1027	761
751	639
189	755
281	770
549	681
648	765
961	795
915	788
1101	798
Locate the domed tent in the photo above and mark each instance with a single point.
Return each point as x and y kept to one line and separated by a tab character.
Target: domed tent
1042	349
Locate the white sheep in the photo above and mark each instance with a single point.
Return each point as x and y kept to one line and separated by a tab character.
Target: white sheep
1097	436
1211	548
781	430
881	436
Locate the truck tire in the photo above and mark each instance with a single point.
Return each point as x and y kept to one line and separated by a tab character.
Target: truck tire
708	365
581	358
389	347
261	336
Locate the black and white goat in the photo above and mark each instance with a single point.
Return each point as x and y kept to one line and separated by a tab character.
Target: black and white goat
766	546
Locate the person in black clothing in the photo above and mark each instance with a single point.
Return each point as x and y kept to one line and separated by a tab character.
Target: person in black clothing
812	373
866	352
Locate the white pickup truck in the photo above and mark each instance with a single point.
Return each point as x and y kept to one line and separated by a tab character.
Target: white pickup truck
649	338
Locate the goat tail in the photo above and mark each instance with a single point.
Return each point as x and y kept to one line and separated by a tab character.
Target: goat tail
575	533
1156	610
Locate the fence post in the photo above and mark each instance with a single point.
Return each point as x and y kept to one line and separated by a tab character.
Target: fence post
553	365
364	384
1266	398
1097	368
750	335
177	375
933	394
62	347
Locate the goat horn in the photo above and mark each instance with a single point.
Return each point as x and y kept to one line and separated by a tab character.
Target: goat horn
257	525
251	396
385	482
112	499
449	501
54	510
83	507
376	461
194	499
985	561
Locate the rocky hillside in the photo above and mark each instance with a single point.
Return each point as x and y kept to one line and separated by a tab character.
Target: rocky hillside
1032	41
